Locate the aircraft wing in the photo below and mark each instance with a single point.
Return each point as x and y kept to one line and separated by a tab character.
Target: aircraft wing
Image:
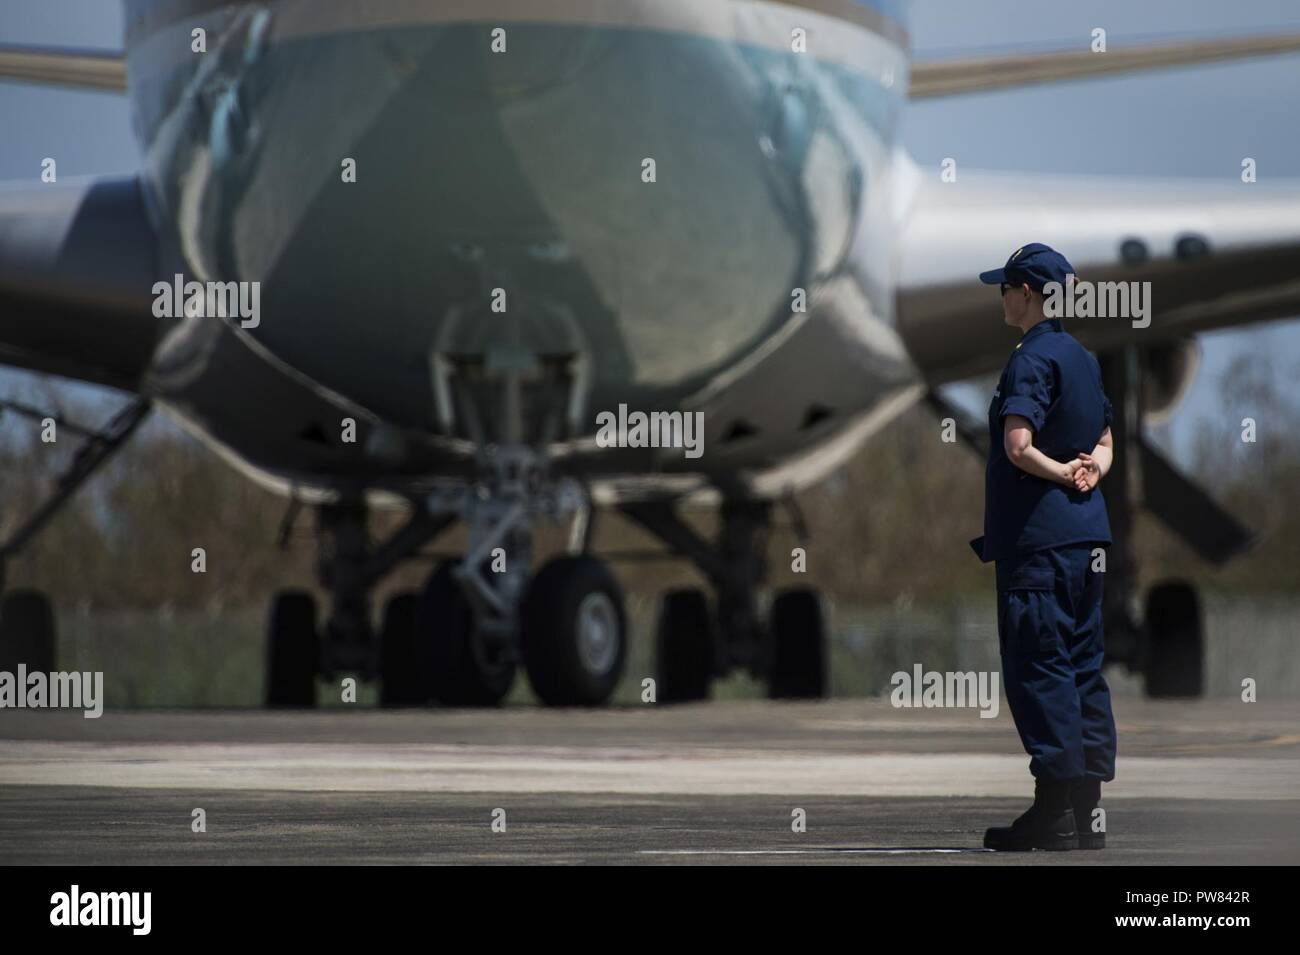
81	69
930	79
1216	254
77	267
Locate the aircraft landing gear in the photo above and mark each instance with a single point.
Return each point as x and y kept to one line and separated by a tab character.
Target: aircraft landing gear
460	641
789	650
1167	645
298	651
566	623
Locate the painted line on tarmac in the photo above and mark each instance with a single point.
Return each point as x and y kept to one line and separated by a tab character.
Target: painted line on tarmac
794	852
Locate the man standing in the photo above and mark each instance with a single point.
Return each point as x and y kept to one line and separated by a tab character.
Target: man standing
1044	518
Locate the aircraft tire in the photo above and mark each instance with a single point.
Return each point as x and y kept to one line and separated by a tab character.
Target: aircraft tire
573	632
453	670
399	679
684	647
798	646
292	650
1175	649
27	632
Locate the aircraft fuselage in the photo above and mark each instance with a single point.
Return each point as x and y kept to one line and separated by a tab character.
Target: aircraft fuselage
687	204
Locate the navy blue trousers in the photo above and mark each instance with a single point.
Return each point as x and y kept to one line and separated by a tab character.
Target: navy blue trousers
1052	647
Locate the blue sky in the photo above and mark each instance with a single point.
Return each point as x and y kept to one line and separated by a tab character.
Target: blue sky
1188	122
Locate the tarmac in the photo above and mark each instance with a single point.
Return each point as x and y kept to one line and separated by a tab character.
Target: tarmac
722	782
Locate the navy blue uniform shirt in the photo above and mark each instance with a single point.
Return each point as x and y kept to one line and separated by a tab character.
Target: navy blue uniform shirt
1055	383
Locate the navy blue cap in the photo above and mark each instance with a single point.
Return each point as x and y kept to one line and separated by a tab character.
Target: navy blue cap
1034	265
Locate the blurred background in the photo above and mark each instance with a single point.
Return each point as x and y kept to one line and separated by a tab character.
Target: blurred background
888	533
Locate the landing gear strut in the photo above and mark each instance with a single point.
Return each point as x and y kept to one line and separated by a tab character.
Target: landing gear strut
299	650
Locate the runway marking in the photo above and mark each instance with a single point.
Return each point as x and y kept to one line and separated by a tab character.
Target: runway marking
794	852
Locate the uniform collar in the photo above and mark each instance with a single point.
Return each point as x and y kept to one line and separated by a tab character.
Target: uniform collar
1047	324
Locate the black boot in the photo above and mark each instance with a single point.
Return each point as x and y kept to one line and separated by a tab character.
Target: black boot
1085	793
1047	824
